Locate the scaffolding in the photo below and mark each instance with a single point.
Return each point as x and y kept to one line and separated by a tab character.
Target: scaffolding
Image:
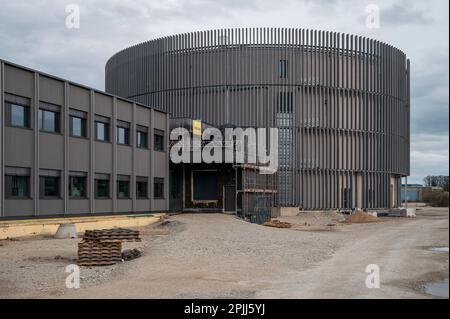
256	192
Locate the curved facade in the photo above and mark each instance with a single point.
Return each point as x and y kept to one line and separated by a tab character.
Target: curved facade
341	103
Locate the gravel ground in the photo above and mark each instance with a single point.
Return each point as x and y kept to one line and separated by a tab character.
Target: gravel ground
220	256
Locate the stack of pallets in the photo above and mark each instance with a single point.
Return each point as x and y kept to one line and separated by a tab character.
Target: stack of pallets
104	247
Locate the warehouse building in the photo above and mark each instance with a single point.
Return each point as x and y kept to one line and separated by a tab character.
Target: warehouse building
341	103
66	149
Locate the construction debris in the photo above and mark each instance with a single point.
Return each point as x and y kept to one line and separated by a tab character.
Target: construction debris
398	212
276	223
130	254
104	247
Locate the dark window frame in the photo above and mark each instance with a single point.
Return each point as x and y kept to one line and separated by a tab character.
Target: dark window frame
158	188
283	68
158	147
106	131
139	139
43	188
27	114
138	195
56	121
8	184
108	196
126	135
128	195
83	126
83	195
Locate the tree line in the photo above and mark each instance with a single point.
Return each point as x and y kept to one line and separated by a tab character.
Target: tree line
440	181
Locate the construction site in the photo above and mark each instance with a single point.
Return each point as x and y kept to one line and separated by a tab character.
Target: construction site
94	202
309	255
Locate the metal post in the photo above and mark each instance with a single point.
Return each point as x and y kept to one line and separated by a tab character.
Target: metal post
406	193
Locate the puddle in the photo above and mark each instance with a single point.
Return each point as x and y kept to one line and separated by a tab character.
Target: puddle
440	249
437	289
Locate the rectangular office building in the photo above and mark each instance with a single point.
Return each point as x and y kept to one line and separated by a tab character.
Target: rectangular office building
66	149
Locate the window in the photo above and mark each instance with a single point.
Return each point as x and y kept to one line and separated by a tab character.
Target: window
158	140
17	186
77	186
101	131
123	187
141	187
102	188
48	121
77	126
19	115
49	186
283	69
158	188
141	138
123	135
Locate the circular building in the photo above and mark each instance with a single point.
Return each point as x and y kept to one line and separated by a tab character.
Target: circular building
341	103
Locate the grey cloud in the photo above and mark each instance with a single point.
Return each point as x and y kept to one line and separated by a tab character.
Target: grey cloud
405	12
429	156
430	97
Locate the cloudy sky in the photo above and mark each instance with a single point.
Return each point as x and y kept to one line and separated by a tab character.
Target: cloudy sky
34	34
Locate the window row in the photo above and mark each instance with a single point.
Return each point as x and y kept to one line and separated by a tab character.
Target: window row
18	187
102	133
49	121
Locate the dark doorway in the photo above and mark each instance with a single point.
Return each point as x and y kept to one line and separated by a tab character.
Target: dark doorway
176	190
205	185
230	199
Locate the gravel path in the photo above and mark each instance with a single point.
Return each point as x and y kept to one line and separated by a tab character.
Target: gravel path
220	256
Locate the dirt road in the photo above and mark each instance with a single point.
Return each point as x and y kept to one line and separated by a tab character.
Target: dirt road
214	255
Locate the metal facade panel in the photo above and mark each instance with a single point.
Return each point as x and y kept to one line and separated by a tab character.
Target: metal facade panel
350	97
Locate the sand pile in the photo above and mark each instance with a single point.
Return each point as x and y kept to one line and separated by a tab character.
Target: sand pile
276	223
361	217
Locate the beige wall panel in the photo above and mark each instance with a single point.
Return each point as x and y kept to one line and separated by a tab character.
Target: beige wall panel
103	157
79	98
78	154
124	110
19	82
51	90
19	156
124	160
103	104
51	151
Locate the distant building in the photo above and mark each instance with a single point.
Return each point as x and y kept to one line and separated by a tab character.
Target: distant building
412	193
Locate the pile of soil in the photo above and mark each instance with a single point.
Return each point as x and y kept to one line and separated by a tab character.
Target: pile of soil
276	223
361	217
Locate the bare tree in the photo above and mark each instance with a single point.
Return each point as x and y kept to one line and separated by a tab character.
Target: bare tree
440	181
